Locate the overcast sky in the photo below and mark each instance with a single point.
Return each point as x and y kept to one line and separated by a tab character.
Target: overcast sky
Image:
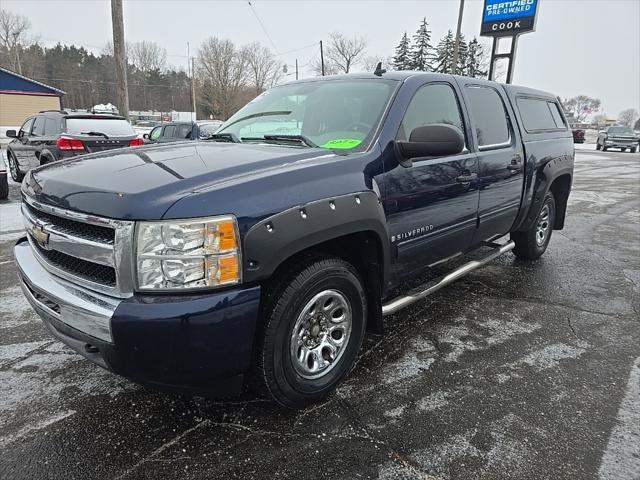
587	47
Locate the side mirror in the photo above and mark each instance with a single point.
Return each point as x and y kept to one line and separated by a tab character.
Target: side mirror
146	136
436	140
11	134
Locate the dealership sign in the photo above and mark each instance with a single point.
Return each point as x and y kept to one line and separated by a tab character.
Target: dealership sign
508	17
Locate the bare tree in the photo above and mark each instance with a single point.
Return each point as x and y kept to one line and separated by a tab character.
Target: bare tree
343	52
329	67
222	70
13	36
147	56
628	117
582	106
264	69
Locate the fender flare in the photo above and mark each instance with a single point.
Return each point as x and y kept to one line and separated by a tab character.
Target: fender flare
274	239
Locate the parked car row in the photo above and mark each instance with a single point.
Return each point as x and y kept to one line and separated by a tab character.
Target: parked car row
52	135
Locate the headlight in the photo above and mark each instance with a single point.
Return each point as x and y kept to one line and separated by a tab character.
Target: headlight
188	254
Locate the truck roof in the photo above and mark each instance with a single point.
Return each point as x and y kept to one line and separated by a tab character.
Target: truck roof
402	75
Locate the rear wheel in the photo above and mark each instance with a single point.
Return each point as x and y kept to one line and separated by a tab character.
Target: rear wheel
16	174
633	149
314	326
532	243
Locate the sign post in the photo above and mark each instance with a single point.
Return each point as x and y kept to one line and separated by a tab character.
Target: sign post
503	19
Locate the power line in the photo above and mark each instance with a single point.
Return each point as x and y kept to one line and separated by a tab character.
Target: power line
263	27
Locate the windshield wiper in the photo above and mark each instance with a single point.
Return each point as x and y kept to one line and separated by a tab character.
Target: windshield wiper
300	138
95	134
260	114
223	137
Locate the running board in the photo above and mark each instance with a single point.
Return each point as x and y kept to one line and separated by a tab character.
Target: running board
402	301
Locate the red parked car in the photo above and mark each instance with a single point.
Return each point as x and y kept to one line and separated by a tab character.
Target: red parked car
578	135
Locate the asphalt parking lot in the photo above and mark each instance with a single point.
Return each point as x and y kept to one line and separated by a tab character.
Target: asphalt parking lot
519	370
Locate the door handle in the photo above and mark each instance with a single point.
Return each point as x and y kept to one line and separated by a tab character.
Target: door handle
467	178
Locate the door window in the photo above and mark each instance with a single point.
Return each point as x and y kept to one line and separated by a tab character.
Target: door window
434	103
155	133
492	126
25	129
169	131
557	116
38	127
51	127
183	131
536	114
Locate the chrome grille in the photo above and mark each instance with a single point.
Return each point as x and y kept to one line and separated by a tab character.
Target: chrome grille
86	231
90	251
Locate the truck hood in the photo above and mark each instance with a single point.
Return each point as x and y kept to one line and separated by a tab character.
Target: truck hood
144	182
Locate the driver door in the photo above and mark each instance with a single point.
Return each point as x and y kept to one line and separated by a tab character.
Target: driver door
20	146
432	205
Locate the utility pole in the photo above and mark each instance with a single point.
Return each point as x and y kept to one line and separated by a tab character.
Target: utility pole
456	45
296	69
119	54
193	87
321	58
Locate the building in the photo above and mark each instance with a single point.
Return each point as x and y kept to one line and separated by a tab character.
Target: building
21	96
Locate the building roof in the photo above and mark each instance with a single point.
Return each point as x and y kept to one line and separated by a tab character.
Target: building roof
12	82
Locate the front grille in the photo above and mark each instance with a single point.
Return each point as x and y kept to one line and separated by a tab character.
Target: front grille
74	228
90	271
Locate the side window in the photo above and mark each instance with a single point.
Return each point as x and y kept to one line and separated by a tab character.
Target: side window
38	127
51	127
25	129
492	127
155	133
557	116
169	131
434	103
536	114
184	131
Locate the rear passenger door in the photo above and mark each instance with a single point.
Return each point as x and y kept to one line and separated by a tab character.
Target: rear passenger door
500	160
431	205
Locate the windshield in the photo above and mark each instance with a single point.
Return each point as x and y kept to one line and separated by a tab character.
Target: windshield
340	114
620	130
111	127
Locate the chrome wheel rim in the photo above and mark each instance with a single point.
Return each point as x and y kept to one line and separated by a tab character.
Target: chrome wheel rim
13	168
543	226
321	334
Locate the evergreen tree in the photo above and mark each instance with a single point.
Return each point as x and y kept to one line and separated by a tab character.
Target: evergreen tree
463	56
422	51
474	66
401	59
443	61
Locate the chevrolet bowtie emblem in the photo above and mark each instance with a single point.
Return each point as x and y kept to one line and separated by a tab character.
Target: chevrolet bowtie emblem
40	236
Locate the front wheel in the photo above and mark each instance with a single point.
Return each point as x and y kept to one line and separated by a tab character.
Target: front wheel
623	150
314	326
532	243
633	150
14	169
598	145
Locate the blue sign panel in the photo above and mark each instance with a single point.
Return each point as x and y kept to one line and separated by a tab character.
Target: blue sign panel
508	17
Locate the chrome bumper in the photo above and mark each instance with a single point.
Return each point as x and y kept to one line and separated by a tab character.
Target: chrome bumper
54	298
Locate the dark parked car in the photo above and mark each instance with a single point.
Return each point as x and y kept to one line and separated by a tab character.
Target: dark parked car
178	131
265	253
578	135
4	184
618	137
55	134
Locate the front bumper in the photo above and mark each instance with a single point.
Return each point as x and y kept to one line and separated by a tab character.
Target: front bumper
621	143
199	344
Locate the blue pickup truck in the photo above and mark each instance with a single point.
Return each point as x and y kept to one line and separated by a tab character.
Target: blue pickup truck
263	255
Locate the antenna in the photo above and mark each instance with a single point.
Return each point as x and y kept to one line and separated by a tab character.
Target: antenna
379	70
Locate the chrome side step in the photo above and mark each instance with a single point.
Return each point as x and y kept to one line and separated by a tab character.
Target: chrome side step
402	301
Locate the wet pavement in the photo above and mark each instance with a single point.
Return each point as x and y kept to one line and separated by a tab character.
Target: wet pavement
520	370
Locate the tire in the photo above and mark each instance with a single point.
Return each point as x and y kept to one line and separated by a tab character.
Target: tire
598	147
294	365
4	187
604	149
623	150
532	243
633	149
16	174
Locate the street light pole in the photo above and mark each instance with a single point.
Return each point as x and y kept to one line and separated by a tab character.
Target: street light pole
456	45
119	55
321	58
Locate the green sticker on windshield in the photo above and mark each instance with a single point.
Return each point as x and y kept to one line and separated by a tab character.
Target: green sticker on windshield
342	143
